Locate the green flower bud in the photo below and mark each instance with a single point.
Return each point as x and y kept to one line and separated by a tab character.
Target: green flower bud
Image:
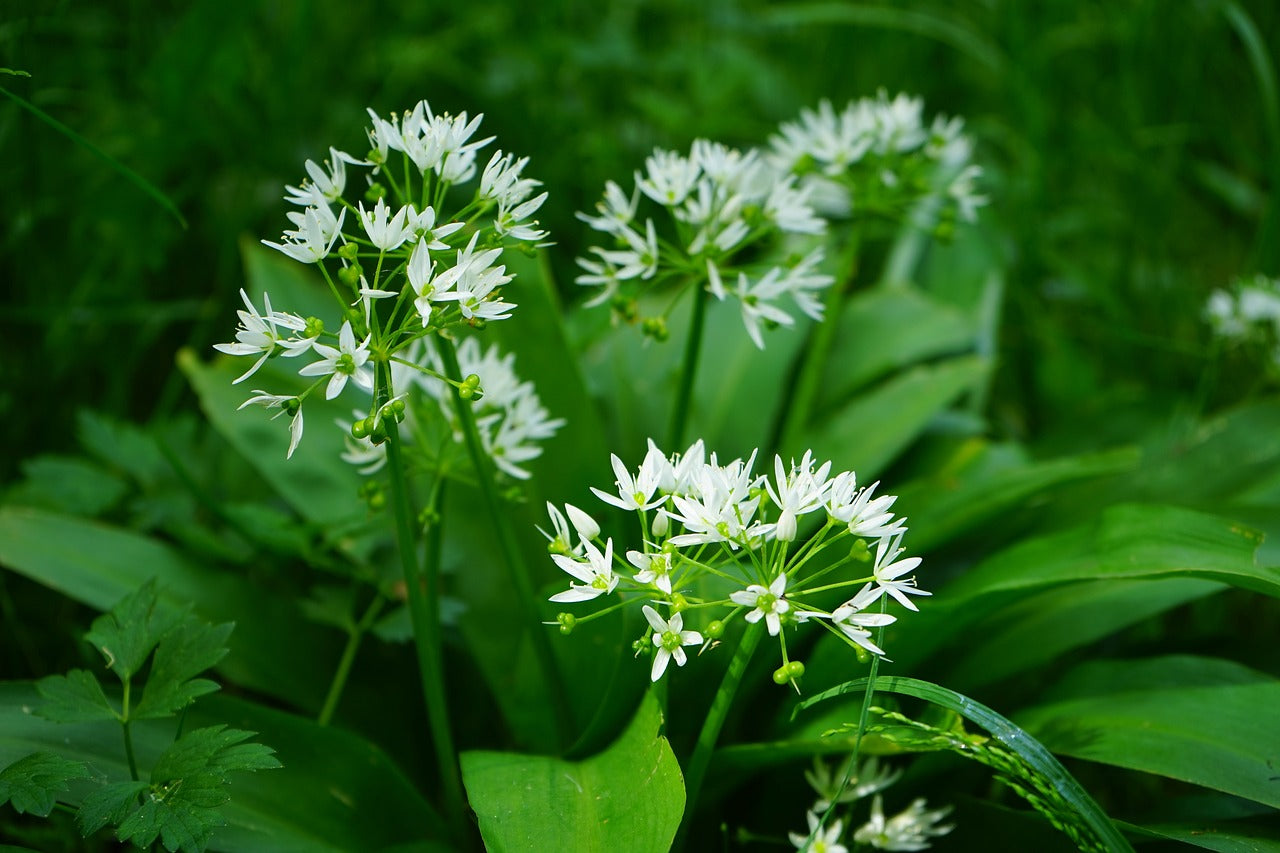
864	656
291	406
375	192
348	251
314	328
567	621
715	630
377	500
781	675
350	276
360	429
795	669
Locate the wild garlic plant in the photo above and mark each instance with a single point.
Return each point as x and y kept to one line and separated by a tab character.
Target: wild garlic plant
1247	314
840	789
415	268
721	542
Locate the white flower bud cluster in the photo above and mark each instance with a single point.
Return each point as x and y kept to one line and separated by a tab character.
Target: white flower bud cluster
719	201
1248	312
878	157
700	517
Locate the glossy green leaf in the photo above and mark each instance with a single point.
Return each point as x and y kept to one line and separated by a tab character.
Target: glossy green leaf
870	431
185	652
1229	837
1013	737
98	565
126	634
76	697
887	329
335	792
629	797
1200	720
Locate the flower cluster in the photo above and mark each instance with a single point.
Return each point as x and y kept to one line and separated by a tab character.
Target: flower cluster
910	829
719	202
877	156
720	537
413	260
1249	312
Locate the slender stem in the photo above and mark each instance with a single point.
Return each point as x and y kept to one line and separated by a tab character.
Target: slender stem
422	585
128	735
697	769
808	378
688	368
518	571
355	634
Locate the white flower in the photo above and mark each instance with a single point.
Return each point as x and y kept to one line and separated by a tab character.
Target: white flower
386	231
582	522
824	841
757	305
616	210
258	334
284	403
595	572
635	493
316	231
471	281
668	638
511	220
345	362
423	226
830	784
501	181
854	623
797	493
669	177
324	185
790	209
420	271
866	516
889	569
910	829
654	569
720	506
769	604
638	260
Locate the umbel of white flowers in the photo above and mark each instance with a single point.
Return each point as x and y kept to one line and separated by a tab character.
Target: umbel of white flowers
414	265
742	223
1248	312
703	519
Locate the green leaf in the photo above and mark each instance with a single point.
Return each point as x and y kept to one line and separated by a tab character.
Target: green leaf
887	329
876	426
76	697
179	823
1225	837
629	797
126	635
215	749
108	805
337	791
69	484
183	653
97	564
1200	720
1008	734
32	784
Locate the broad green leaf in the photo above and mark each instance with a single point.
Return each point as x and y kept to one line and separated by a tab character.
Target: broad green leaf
335	792
629	797
982	482
108	805
97	565
1125	543
1200	720
76	697
316	482
185	652
1225	837
68	484
1011	736
870	431
126	634
887	329
32	784
1053	622
213	749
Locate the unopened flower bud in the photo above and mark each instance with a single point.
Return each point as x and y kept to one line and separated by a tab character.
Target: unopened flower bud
291	406
795	669
314	328
375	192
661	524
350	275
679	603
348	251
360	429
715	630
567	621
583	523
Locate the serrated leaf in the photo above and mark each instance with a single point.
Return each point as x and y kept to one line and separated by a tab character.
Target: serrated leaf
215	749
186	651
108	805
76	697
32	784
181	825
128	633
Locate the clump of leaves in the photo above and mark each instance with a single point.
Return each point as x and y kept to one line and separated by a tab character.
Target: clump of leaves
180	801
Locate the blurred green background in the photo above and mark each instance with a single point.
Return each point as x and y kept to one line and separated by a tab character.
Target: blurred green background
1129	147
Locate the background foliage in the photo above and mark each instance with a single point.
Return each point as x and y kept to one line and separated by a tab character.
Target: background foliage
1044	383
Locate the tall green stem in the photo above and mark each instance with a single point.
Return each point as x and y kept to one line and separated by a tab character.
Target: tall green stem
422	583
697	769
795	411
355	634
512	557
688	368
